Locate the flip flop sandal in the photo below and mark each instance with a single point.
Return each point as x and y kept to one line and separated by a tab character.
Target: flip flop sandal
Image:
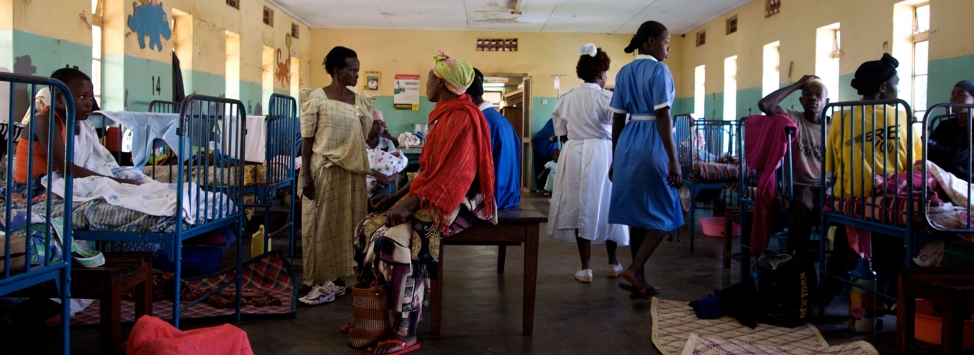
405	348
639	293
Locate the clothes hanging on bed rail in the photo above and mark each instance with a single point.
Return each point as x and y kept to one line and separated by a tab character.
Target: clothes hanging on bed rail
764	146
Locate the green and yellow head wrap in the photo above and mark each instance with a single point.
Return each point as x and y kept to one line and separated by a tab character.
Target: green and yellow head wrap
457	73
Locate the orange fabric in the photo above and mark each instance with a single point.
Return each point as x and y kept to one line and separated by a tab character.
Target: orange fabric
456	152
40	153
154	336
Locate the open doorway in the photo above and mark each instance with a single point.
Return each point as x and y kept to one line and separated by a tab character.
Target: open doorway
511	95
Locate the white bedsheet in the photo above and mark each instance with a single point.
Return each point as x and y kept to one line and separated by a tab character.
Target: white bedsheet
151	197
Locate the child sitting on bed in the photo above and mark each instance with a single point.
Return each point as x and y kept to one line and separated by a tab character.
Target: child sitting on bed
80	87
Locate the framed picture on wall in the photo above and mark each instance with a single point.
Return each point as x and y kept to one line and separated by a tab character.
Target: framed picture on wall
372	80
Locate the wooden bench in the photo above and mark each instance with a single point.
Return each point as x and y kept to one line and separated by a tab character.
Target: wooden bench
952	289
515	226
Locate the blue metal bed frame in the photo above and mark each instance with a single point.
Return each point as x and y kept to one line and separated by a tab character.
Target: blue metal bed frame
59	272
784	189
160	106
282	127
716	133
929	124
841	117
226	119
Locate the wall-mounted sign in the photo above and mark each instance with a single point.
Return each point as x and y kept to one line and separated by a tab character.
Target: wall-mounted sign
406	92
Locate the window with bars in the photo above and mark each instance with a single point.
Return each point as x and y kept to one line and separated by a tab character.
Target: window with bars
234	4
268	16
295	29
732	24
921	56
701	38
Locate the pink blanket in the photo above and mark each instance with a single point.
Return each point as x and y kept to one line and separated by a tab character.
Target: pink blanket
764	145
154	336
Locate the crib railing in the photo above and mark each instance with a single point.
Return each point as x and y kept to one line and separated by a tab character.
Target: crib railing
934	116
865	141
26	266
869	146
282	150
160	106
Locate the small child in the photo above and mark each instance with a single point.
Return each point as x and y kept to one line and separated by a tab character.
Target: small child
550	168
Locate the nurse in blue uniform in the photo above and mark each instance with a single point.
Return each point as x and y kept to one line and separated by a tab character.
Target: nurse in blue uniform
645	170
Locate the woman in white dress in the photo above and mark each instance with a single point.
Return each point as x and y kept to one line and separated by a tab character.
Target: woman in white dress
580	199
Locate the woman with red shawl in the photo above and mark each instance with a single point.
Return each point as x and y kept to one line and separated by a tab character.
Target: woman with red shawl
455	188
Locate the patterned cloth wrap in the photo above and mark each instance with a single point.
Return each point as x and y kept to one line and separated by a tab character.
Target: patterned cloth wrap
457	73
716	172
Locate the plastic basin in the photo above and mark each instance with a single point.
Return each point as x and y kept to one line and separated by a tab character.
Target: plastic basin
928	325
714	227
197	260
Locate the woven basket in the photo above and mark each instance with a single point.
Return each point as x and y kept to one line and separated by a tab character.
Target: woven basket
370	315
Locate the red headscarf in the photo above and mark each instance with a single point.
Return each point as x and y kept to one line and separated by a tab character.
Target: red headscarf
457	151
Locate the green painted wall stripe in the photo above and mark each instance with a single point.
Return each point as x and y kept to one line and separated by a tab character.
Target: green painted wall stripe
944	74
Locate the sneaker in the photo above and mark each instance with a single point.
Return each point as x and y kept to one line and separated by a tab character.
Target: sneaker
584	276
334	289
317	296
616	271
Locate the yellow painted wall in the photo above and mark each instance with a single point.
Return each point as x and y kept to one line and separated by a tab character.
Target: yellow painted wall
67	20
951	20
210	21
866	27
541	55
6	15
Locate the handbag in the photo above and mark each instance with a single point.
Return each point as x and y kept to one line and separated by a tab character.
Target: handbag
370	315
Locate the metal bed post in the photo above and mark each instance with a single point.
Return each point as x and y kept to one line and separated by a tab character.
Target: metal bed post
47	269
279	157
862	201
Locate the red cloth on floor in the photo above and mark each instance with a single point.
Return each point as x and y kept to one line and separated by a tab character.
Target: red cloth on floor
154	336
764	145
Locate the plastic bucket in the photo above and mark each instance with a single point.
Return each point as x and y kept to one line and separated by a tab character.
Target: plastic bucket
714	227
928	326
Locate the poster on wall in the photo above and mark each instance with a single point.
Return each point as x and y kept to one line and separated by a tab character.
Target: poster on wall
406	92
372	80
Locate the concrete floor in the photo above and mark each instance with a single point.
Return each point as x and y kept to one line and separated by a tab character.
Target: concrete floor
482	309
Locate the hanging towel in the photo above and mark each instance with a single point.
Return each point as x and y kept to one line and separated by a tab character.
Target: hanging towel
764	145
146	128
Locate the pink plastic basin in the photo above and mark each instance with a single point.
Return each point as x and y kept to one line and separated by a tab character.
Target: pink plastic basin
714	227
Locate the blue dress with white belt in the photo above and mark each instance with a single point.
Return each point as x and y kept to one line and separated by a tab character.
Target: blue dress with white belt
641	197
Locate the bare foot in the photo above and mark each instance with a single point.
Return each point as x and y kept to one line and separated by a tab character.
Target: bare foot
393	344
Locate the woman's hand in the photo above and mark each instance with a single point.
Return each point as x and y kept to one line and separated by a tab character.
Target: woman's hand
673	176
308	187
381	180
378	202
399	214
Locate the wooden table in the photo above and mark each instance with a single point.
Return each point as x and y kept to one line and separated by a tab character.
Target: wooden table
515	226
951	288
